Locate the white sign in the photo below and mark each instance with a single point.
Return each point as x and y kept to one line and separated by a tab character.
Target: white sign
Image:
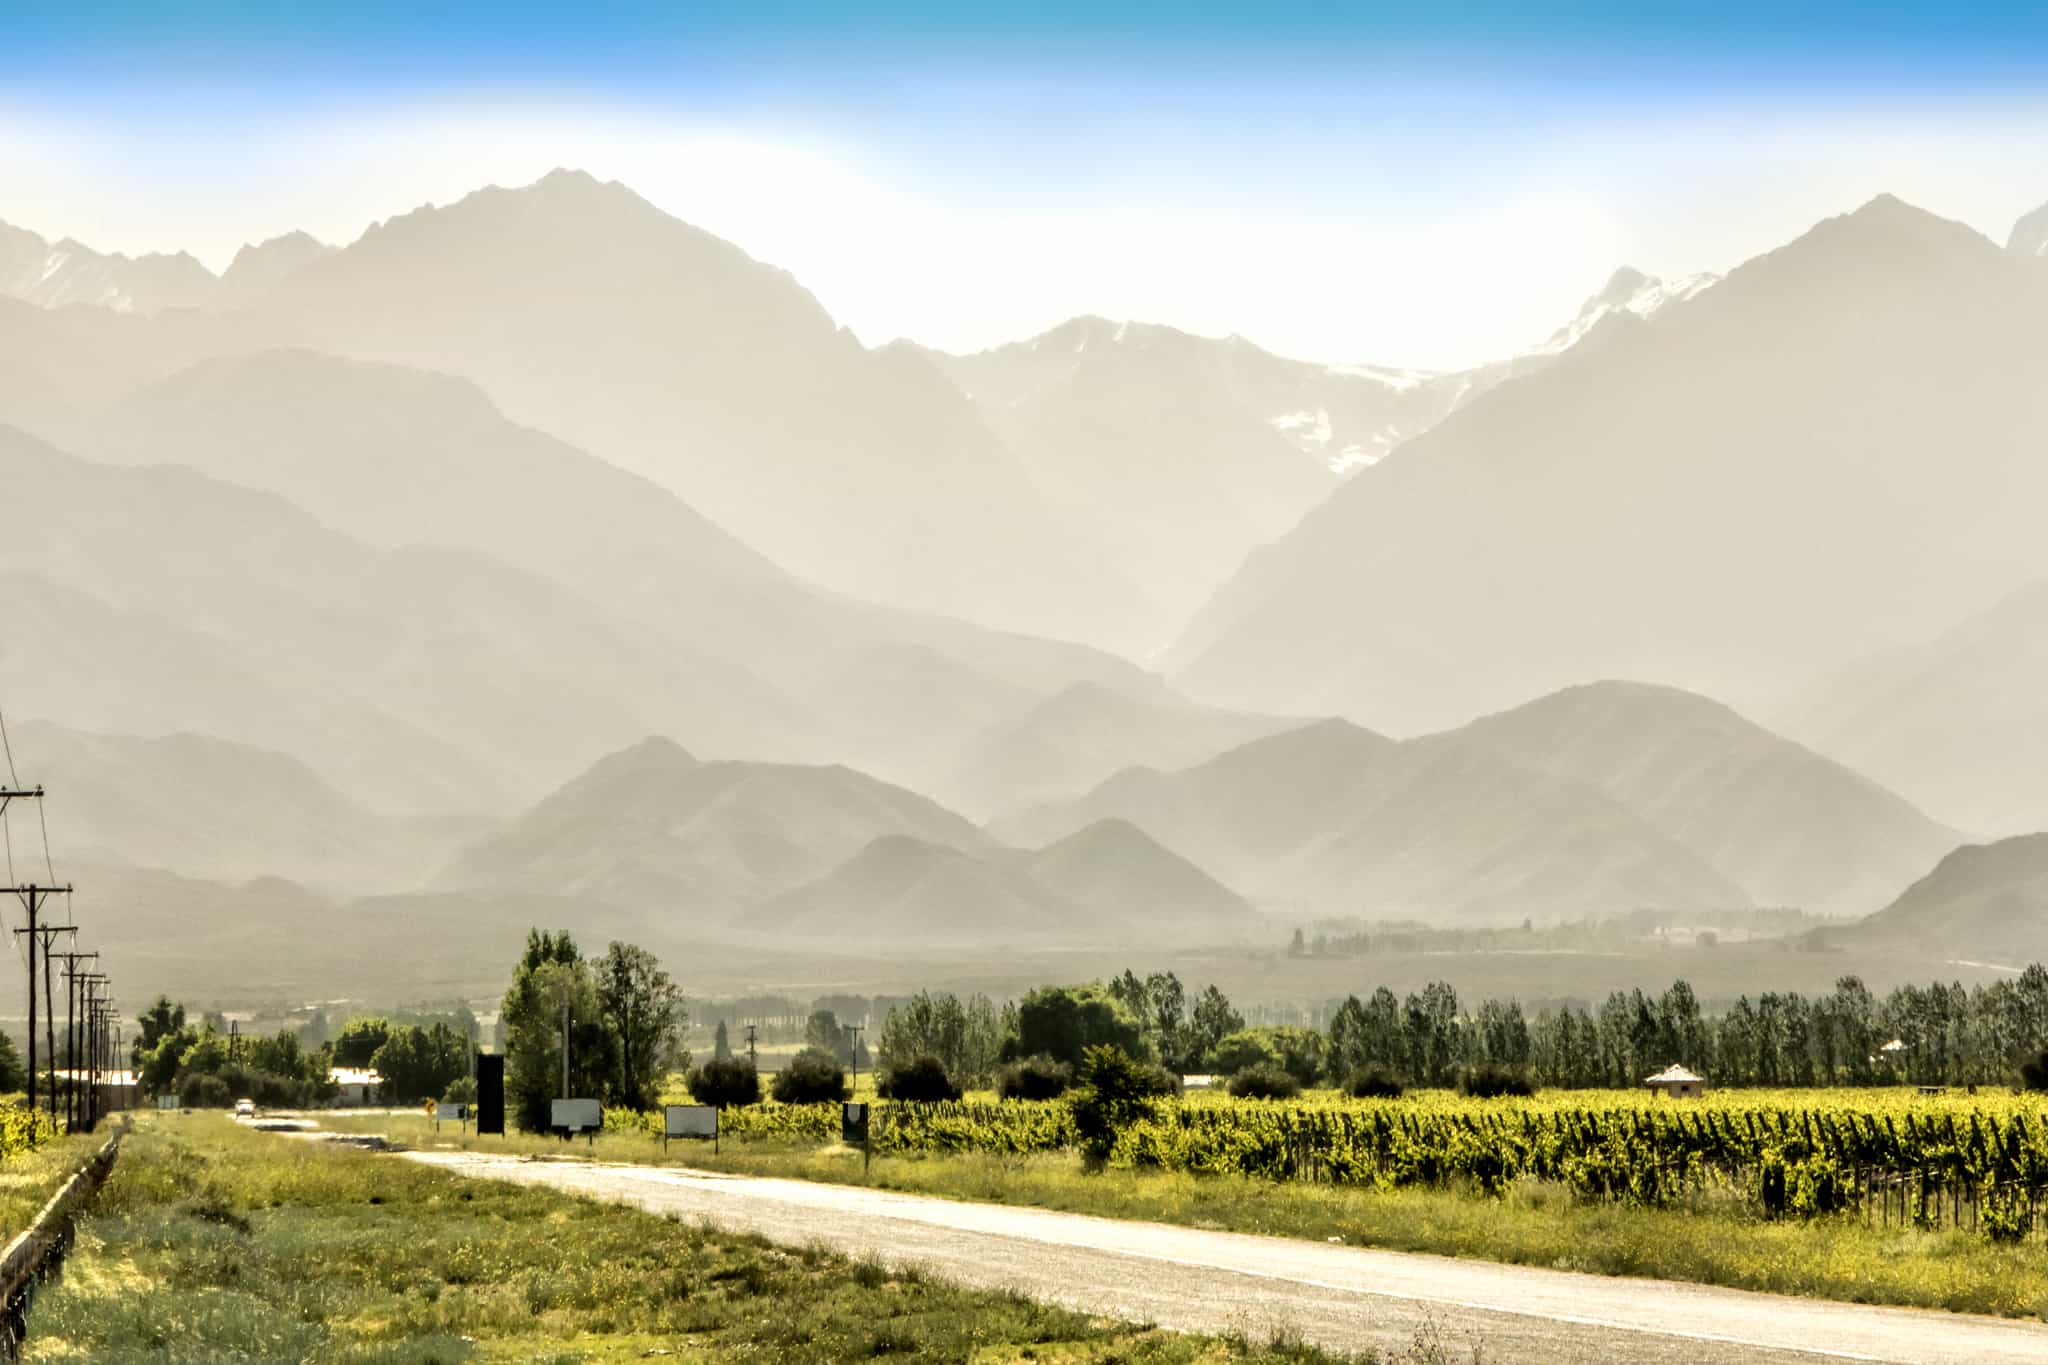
575	1115
690	1121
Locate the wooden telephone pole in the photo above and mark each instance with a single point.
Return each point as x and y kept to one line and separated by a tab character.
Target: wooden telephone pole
33	895
72	975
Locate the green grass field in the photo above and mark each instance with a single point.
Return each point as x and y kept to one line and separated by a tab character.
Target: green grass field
1708	1238
214	1243
28	1179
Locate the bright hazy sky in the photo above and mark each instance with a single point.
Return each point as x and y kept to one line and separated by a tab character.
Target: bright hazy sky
1336	182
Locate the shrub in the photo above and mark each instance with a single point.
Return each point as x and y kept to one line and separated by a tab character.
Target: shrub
726	1083
923	1079
197	1090
812	1077
1492	1082
1371	1083
1115	1092
1034	1078
1242	1051
461	1090
2034	1074
1264	1083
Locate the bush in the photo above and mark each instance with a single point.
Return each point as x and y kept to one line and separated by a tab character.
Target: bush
1243	1051
922	1080
2034	1074
1264	1083
1492	1082
1034	1078
813	1077
1115	1092
461	1090
1371	1083
197	1090
270	1091
726	1083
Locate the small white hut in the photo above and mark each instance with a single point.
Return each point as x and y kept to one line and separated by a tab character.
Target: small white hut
1676	1082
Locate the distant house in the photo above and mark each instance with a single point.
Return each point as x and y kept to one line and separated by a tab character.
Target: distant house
356	1086
1676	1082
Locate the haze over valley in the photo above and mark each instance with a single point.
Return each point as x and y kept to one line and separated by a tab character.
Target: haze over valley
540	547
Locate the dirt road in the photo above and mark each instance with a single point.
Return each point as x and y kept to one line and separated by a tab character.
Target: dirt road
1344	1298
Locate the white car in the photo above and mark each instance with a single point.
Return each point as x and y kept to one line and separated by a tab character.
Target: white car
245	1109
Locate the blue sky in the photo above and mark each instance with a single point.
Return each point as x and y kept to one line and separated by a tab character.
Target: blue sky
1351	182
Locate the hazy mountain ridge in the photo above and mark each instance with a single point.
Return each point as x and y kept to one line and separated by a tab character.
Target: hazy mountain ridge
1603	798
653	828
1981	901
1736	491
56	274
1788	825
1959	722
587	312
204	807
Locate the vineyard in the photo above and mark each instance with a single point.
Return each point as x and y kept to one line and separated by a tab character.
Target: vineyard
1979	1163
23	1130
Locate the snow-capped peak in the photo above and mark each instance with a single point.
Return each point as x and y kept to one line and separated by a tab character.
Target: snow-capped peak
1628	290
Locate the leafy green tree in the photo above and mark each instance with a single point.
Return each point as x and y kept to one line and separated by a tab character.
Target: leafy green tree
156	1023
1243	1050
1116	1090
724	1082
13	1074
921	1080
359	1040
643	1008
551	975
1063	1022
207	1056
1209	1022
416	1063
813	1076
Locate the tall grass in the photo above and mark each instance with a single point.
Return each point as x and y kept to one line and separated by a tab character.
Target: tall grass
214	1243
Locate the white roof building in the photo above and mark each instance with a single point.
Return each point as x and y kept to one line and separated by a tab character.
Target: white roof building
1676	1081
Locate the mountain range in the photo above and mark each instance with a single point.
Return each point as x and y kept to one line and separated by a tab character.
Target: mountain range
1833	450
1604	798
357	550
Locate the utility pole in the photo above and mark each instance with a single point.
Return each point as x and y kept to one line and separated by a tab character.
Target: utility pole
90	1007
71	1048
750	1046
49	937
853	1032
565	1047
32	897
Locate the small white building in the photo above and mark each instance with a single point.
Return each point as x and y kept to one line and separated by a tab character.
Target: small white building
1676	1082
357	1087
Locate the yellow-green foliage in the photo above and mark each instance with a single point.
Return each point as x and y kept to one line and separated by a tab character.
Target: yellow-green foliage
23	1130
213	1243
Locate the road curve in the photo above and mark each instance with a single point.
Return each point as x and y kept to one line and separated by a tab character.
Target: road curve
1343	1298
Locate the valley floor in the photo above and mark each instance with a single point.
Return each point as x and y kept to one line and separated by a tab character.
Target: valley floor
215	1243
1706	1240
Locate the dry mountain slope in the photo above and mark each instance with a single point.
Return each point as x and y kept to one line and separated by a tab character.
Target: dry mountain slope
1833	449
1073	740
1332	819
1181	452
585	311
1789	826
653	829
1108	883
1986	901
1958	722
398	457
204	807
385	670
